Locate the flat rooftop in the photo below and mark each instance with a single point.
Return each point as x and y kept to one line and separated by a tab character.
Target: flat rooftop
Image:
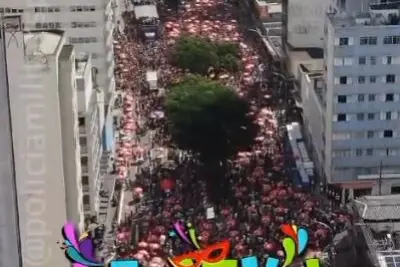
41	43
379	208
81	62
144	11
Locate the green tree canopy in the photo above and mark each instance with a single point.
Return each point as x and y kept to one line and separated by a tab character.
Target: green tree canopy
198	55
211	121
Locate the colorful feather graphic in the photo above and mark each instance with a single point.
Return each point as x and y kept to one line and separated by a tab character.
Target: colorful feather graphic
180	230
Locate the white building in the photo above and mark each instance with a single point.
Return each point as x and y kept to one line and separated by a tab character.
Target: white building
88	26
91	119
351	106
44	189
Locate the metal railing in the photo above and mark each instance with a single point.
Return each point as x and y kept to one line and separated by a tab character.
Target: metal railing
82	130
85	169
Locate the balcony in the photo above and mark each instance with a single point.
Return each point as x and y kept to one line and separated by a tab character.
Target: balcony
84	149
85	169
82	130
85	188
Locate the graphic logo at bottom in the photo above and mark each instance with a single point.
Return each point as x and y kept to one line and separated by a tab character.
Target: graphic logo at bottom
79	249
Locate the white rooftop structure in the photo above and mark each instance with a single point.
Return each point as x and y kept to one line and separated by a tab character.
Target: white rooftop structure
37	43
149	11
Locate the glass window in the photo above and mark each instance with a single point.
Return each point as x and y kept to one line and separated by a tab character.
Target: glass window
388	134
362	60
371	97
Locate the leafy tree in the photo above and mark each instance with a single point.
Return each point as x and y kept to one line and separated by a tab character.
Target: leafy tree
211	121
195	54
198	55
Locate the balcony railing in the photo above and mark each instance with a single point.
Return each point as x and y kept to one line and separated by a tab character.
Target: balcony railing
82	130
86	207
84	149
85	169
85	188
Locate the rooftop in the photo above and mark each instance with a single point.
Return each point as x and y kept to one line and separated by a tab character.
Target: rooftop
81	62
375	15
41	43
149	11
379	208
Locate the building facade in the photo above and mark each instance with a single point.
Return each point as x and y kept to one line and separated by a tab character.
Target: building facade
354	122
88	26
44	190
91	120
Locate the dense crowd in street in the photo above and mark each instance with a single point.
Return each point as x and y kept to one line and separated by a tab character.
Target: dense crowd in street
263	196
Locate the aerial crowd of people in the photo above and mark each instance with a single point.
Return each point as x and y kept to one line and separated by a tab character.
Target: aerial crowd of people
168	189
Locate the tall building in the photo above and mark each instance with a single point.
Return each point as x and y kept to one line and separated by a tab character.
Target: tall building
89	26
91	119
41	168
351	107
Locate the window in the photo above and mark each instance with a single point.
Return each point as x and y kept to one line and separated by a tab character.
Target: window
371	116
388	115
50	10
74	24
361	98
368	40
348	61
358	152
371	97
372	79
343	79
38	25
344	41
388	134
391	39
360	116
81	122
72	9
37	9
84	161
14	10
341	117
79	8
8	10
361	79
389	97
372	60
342	99
92	8
389	60
344	153
395	190
369	152
370	134
362	60
390	78
56	9
85	180
86	200
341	136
